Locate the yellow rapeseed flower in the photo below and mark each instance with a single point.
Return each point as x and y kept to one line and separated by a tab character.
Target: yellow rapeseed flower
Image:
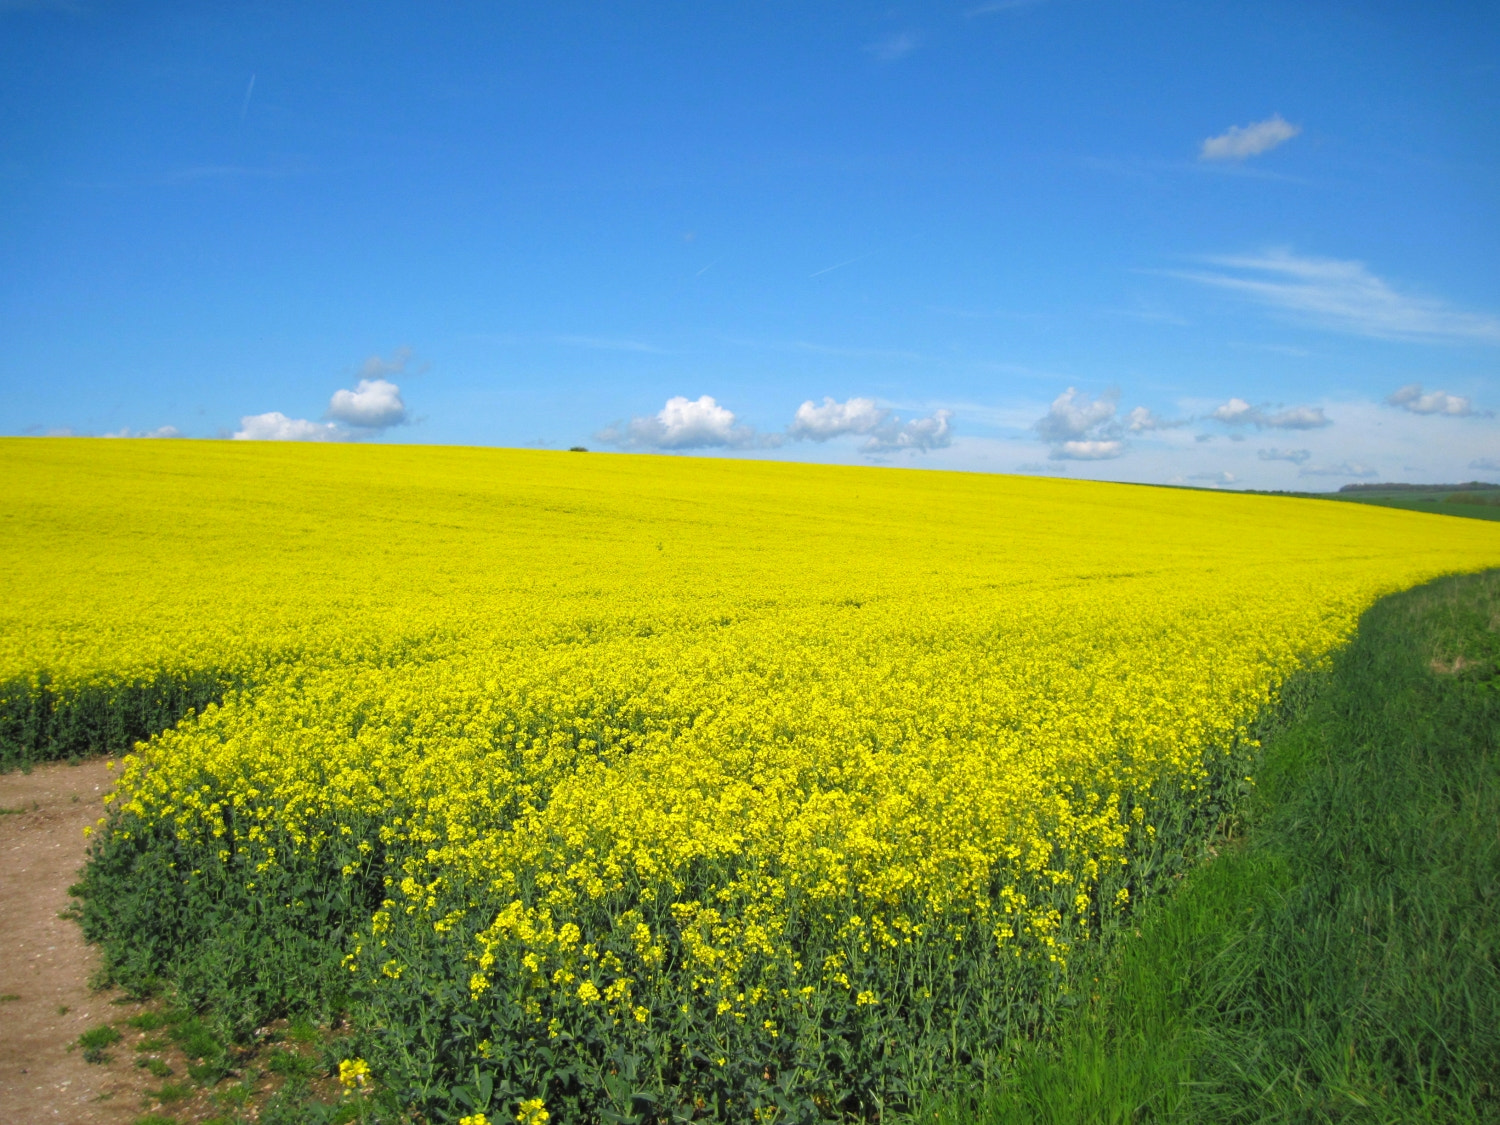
883	709
354	1074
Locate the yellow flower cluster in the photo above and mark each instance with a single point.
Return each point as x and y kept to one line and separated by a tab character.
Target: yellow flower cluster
354	1074
628	728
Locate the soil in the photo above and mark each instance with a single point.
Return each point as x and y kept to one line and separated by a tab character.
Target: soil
45	965
46	1001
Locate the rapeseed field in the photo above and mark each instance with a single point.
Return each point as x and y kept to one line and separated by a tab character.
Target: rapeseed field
616	788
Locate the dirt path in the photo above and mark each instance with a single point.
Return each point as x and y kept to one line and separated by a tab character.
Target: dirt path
45	1000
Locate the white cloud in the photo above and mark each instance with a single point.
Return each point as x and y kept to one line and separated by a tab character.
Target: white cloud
1079	428
1241	141
377	368
886	433
159	432
1235	412
276	426
1298	418
918	435
1365	434
892	47
1095	450
1141	420
685	423
374	405
1073	414
1411	397
1295	456
832	419
1343	296
1238	412
1221	477
1343	469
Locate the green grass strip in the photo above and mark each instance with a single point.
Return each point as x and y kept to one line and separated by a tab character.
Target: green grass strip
1338	962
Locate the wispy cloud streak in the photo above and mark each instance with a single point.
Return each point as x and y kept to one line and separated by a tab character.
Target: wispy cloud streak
1342	296
892	47
598	343
841	265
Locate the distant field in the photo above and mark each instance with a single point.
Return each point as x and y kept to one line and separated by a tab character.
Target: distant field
625	787
1478	504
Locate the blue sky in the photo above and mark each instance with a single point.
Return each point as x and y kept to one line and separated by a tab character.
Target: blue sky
1242	245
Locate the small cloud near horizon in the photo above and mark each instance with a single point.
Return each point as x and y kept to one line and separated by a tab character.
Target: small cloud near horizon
1238	412
1079	428
685	423
833	419
1142	420
373	406
1412	398
919	435
1092	450
885	432
159	432
276	426
123	432
1295	456
1343	469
